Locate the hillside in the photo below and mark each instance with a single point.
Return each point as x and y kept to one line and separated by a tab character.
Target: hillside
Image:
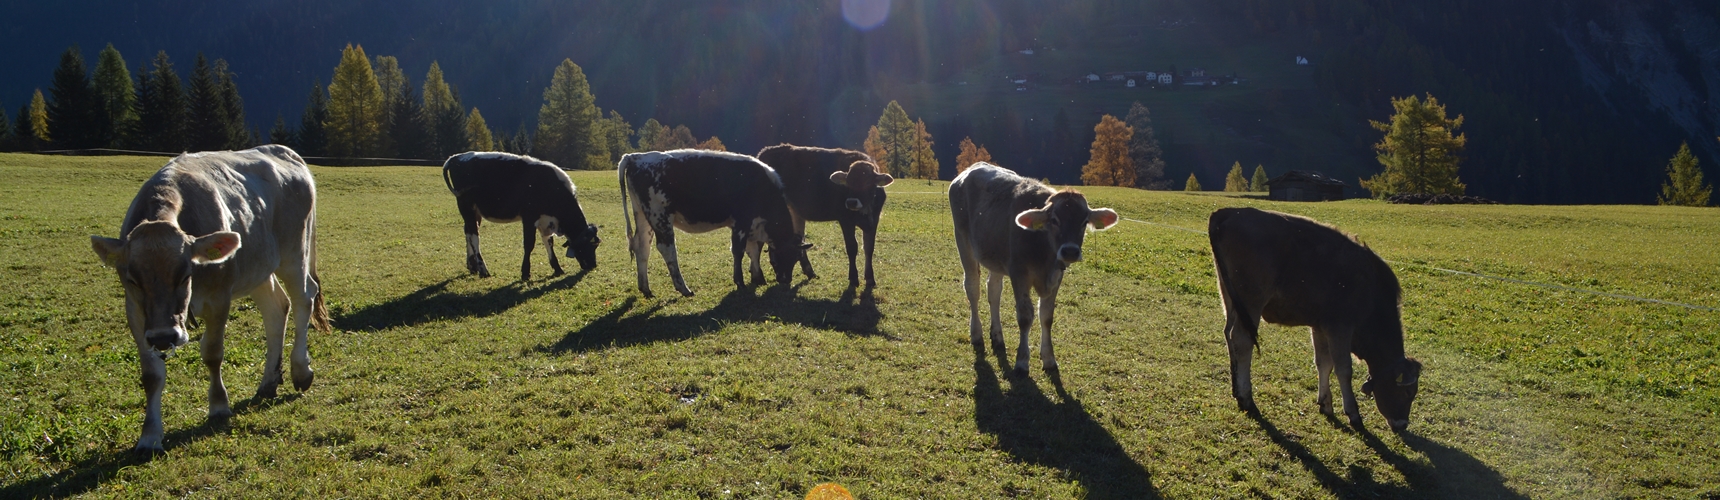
436	383
1568	101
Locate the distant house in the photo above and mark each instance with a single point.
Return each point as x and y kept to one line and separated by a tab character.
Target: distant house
1116	76
1166	78
1027	52
1131	83
1020	88
1092	77
1019	82
1303	185
1152	76
1301	61
1197	72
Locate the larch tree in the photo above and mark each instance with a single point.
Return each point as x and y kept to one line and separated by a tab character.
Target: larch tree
1234	182
713	144
38	136
1684	185
616	136
680	137
925	164
395	88
440	106
115	97
651	134
569	122
354	105
1110	164
874	146
1420	153
970	154
162	108
1258	183
313	124
72	112
1144	149
1193	184
896	136
478	134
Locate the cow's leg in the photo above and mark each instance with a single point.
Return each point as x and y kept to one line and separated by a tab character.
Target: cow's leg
272	302
738	245
1340	353
994	298
638	244
970	284
214	347
1239	334
1024	320
530	243
800	231
853	249
1047	308
153	370
1323	365
871	235
474	255
753	252
548	236
671	260
303	292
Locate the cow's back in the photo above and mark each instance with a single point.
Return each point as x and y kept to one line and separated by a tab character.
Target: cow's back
705	186
805	174
984	201
501	183
1299	271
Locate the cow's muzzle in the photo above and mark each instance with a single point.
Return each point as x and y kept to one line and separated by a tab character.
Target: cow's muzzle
1398	425
1069	254
855	205
165	339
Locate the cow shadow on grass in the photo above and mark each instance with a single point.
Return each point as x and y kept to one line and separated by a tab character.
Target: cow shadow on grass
434	303
1062	435
88	474
1448	473
629	323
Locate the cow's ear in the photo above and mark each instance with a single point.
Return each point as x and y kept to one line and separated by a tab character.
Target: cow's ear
214	248
884	180
1102	218
839	177
1368	387
108	249
1032	220
1410	375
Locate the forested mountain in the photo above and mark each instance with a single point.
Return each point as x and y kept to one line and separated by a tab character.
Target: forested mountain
1566	101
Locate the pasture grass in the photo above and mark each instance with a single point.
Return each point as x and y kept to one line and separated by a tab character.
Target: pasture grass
436	383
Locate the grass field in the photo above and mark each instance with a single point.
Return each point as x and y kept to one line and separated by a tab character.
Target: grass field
436	383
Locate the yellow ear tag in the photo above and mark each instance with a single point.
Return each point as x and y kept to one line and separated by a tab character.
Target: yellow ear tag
213	253
1038	225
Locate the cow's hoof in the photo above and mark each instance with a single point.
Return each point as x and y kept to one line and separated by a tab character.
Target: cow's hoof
483	274
148	451
1247	406
647	294
302	378
1019	371
687	293
1356	421
219	415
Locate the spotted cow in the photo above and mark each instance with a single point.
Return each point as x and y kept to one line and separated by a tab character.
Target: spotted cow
503	187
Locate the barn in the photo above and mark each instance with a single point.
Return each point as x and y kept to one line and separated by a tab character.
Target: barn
1303	185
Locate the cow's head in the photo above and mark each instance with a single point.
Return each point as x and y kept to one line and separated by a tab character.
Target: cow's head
1394	391
582	246
858	182
155	263
1064	220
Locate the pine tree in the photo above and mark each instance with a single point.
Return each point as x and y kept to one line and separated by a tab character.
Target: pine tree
651	134
205	128
1419	152
568	128
616	132
521	142
115	98
354	106
925	164
681	137
970	154
1258	183
406	130
282	134
1684	185
236	134
72	113
1144	149
162	108
1110	164
5	130
313	124
449	133
39	136
478	133
1234	182
896	136
1193	184
394	87
713	144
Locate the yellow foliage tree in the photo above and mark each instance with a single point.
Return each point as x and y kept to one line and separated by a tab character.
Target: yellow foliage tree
925	164
354	106
1235	182
1193	184
1110	164
713	144
970	154
478	134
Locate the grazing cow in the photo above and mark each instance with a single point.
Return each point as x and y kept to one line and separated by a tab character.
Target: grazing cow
832	185
698	191
1294	271
203	229
503	187
1014	226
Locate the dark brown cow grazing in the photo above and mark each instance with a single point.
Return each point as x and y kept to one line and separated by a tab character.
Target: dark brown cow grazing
832	185
1017	227
505	187
1294	271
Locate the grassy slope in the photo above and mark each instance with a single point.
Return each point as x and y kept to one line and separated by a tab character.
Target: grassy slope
440	382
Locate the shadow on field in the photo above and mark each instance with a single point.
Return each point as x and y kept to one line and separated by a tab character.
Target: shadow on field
434	302
1034	429
1451	473
90	473
855	313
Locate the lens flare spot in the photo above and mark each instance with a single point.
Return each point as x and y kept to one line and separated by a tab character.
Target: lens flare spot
865	14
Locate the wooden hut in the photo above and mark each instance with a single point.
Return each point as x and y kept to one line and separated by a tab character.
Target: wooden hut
1303	185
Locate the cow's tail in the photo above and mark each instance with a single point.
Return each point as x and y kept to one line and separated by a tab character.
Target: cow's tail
447	178
319	308
1215	233
626	210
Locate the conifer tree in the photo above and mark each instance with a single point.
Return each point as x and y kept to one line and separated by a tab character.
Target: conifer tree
521	142
5	130
651	134
1419	152
1258	183
206	127
1234	182
1684	185
713	144
234	130
1193	184
392	81
925	164
438	101
896	136
354	106
1144	149
72	113
162	108
568	122
115	98
39	136
616	132
478	133
679	137
406	130
874	146
1110	164
970	154
282	134
313	124
449	133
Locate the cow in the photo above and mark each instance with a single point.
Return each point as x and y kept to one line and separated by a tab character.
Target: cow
698	191
1295	271
832	185
503	187
1016	227
205	228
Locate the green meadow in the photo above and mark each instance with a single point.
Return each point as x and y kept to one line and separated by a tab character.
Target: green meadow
435	383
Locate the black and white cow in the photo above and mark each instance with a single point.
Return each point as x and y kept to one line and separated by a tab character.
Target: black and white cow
1014	226
503	187
698	191
832	185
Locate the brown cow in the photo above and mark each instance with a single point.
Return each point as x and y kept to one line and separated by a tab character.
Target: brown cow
1294	271
1015	226
832	185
